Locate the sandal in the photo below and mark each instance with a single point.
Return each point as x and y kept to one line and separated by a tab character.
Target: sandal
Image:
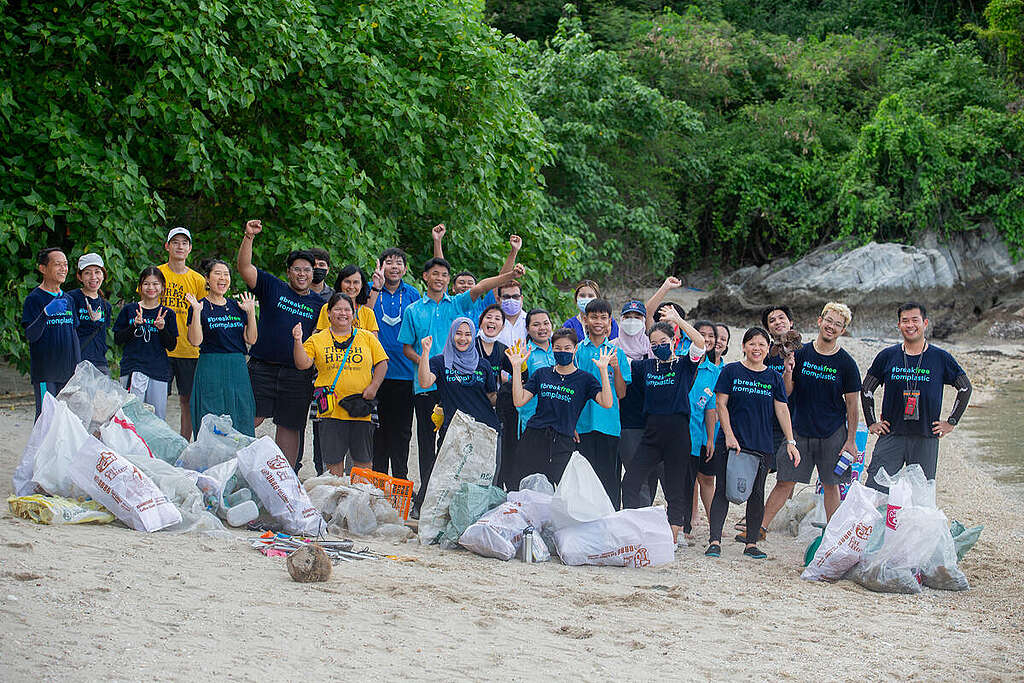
714	550
755	553
742	538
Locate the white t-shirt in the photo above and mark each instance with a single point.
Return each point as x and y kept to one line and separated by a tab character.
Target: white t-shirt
513	331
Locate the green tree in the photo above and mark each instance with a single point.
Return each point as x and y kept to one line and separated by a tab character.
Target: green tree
355	126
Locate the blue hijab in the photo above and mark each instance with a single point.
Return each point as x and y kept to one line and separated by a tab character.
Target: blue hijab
463	361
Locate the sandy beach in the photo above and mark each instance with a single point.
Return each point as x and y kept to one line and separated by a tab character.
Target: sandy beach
105	602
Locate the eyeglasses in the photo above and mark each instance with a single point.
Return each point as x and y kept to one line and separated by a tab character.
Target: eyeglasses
300	270
506	297
834	323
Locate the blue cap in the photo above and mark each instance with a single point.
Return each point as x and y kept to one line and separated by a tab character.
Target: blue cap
634	307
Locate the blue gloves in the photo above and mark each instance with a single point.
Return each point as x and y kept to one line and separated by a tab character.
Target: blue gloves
57	306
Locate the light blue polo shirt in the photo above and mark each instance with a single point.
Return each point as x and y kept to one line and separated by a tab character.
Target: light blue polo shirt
702	397
594	418
429	318
537	358
390	312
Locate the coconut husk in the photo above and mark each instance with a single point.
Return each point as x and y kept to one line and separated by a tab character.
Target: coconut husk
309	564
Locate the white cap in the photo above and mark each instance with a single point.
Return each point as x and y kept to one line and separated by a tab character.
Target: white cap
86	260
178	231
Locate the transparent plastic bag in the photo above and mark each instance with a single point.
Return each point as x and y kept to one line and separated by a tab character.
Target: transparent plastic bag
180	487
58	510
92	396
163	442
468	504
216	441
846	536
940	571
56	451
537	481
122	436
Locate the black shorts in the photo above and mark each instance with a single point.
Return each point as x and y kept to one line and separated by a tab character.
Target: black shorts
183	371
281	392
341	437
708	468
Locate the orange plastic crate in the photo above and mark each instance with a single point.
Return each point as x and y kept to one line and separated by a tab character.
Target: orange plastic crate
398	491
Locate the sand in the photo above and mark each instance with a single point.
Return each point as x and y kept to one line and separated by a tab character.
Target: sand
104	602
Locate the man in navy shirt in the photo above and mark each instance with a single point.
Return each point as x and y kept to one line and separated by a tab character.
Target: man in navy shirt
823	389
913	374
281	390
50	327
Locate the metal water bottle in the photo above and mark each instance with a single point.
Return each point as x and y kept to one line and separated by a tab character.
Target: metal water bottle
528	544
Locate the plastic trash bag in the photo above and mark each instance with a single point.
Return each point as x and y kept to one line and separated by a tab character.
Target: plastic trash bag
793	511
273	480
916	488
55	453
22	479
628	538
740	471
846	536
92	396
499	532
580	496
58	510
355	510
180	487
122	437
325	498
964	539
216	441
537	481
468	455
940	571
163	442
118	485
468	504
813	523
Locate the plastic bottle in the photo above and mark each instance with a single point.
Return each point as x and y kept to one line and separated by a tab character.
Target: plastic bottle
243	513
862	437
845	458
238	497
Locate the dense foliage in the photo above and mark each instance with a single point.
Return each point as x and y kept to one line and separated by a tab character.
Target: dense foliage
621	136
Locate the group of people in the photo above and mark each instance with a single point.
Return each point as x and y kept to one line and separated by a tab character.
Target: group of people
646	399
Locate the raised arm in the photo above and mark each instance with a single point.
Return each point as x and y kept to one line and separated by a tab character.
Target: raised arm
195	324
482	287
605	399
670	314
245	267
515	244
423	373
247	302
299	355
520	396
437	234
654	302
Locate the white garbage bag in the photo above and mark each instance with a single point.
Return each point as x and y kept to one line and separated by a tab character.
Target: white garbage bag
22	479
273	480
580	496
846	535
55	452
92	396
119	486
468	455
181	488
216	441
122	437
164	442
628	538
499	532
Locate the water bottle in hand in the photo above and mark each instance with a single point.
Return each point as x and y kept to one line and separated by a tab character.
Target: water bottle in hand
845	459
57	306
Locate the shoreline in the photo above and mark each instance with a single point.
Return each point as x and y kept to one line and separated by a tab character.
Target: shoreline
170	606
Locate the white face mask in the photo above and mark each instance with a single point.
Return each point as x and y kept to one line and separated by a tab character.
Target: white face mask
631	327
581	302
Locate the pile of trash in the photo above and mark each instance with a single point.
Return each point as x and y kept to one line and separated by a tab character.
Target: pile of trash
893	543
576	520
357	509
97	453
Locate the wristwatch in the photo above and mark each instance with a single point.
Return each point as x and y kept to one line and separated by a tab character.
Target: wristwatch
952	420
791	442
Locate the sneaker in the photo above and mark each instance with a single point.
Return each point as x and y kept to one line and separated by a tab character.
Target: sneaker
714	550
755	553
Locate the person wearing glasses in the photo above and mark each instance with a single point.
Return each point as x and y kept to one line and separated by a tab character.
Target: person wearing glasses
282	390
824	390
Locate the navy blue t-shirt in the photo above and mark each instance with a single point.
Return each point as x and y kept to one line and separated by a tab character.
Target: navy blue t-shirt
631	406
465	391
496	359
560	398
146	347
925	373
819	383
665	386
92	334
53	345
223	327
751	404
280	309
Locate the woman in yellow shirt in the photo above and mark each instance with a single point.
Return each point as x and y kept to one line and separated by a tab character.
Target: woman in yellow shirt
350	365
352	281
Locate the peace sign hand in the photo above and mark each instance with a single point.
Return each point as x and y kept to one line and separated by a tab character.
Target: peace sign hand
378	275
158	322
138	321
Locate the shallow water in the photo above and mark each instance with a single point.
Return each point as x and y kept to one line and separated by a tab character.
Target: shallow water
999	426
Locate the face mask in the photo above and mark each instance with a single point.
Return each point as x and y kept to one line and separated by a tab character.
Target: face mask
563	357
631	327
581	302
318	275
662	351
511	306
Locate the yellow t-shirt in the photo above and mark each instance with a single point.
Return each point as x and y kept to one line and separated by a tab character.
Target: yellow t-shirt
365	319
175	288
364	353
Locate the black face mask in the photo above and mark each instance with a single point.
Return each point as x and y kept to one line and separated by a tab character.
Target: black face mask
319	274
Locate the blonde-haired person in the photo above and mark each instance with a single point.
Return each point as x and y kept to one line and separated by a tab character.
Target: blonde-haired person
824	391
583	293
